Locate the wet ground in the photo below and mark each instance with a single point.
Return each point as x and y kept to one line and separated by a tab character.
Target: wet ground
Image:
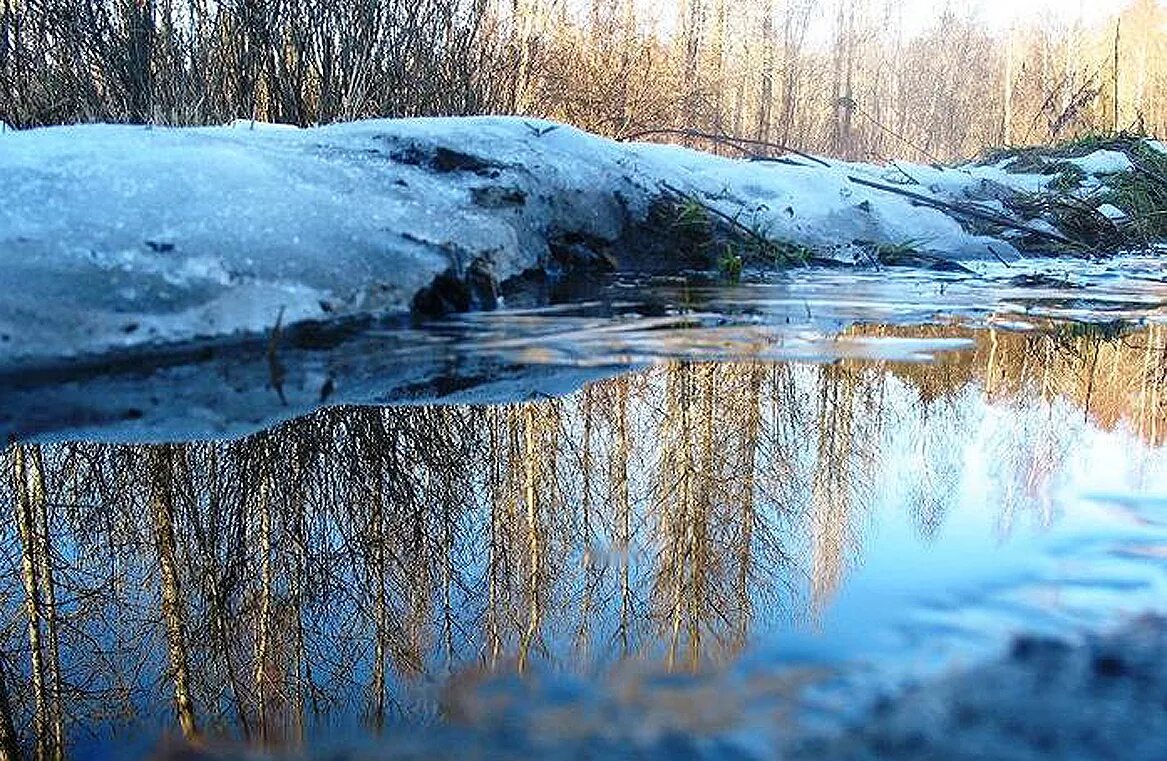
672	519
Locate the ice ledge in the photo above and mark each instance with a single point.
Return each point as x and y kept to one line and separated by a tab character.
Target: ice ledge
114	237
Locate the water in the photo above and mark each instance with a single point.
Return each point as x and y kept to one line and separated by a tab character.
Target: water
754	520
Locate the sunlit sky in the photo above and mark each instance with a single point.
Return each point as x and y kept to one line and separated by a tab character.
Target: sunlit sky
997	15
1000	14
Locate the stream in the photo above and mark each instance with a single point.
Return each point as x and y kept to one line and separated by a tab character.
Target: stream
665	518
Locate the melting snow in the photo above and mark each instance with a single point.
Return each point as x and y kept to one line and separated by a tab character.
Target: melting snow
112	236
1103	162
1112	212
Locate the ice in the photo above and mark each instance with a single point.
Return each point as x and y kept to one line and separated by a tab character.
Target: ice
252	124
815	206
1112	212
118	236
1103	162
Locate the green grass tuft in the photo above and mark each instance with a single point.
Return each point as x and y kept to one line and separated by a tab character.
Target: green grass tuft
730	264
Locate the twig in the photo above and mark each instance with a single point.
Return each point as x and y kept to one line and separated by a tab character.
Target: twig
735	224
276	370
540	131
728	140
984	216
904	172
781	147
763	242
935	161
1000	258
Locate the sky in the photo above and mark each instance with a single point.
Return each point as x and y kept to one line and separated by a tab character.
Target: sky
998	15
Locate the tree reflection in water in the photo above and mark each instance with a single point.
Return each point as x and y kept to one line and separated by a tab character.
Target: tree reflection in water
350	563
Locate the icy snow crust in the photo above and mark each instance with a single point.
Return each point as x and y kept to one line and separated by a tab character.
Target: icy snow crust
1103	162
119	236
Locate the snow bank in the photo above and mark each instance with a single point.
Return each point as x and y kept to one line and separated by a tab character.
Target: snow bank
116	236
252	124
1103	162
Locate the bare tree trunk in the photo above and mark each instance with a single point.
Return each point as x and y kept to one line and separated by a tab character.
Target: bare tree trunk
531	461
766	92
139	59
717	55
173	617
841	82
620	496
848	149
583	631
837	82
31	578
793	37
1117	40
303	670
495	560
380	606
9	743
221	627
1007	98
700	565
692	15
260	675
38	500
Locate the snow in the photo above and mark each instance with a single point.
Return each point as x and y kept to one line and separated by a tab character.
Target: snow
119	236
252	124
1042	225
1157	145
811	205
973	181
1112	212
1103	162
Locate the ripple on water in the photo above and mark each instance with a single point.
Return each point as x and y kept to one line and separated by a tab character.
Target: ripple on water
761	531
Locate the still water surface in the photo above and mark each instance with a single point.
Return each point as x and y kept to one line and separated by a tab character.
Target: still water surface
698	557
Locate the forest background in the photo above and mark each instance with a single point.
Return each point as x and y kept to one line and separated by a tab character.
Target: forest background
862	79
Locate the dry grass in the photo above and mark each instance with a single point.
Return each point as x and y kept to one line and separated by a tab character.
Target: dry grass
290	61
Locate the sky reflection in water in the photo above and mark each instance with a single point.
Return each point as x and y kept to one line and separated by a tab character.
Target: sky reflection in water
763	525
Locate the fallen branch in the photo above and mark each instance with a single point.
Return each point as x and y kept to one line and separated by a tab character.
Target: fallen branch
1141	167
731	221
1000	258
727	140
978	214
776	160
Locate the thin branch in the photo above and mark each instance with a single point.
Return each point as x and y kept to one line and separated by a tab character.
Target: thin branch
971	213
733	223
728	140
